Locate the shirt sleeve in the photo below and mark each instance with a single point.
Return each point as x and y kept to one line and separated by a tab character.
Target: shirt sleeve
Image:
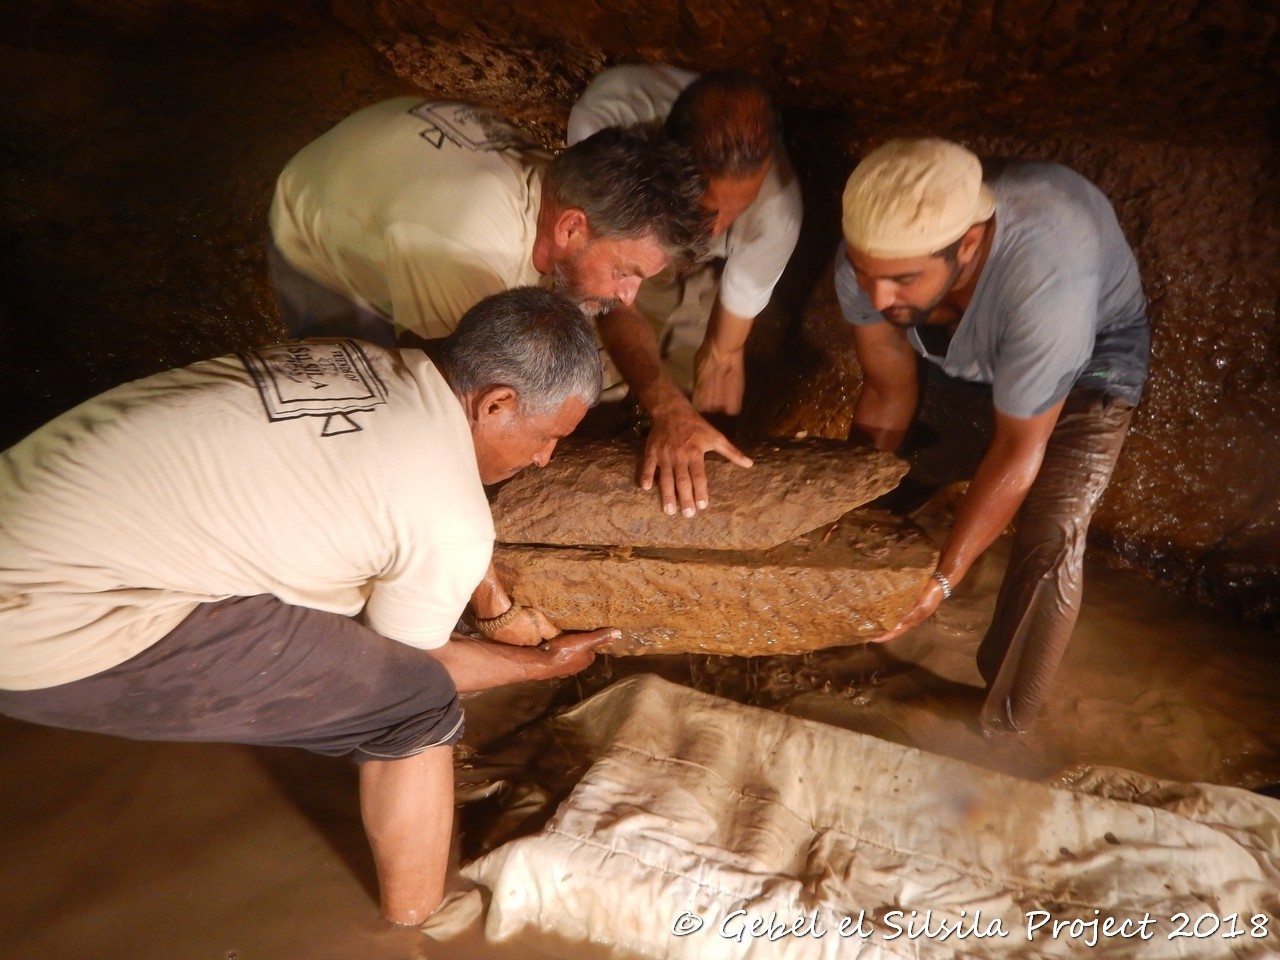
855	305
761	242
1047	334
620	96
420	602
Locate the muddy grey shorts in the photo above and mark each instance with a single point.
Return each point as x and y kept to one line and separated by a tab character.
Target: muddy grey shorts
256	670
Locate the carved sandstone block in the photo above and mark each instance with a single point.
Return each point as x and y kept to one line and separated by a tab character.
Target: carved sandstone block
843	581
588	495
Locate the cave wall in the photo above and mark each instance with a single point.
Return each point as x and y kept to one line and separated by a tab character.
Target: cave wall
142	139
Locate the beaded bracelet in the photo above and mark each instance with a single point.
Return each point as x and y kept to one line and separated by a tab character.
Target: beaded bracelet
490	625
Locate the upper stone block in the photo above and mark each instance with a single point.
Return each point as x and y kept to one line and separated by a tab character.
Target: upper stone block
587	496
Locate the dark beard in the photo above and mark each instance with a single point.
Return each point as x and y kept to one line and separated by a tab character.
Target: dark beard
592	307
908	318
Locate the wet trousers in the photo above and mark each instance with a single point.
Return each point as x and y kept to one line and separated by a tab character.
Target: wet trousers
260	671
1040	595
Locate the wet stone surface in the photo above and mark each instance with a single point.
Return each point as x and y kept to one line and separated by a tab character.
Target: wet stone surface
738	602
587	496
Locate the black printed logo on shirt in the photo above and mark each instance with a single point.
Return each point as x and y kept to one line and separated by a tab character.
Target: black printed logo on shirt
330	379
469	127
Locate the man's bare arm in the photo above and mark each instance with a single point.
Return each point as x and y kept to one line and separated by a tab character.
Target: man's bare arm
890	385
995	494
481	664
529	627
680	437
720	366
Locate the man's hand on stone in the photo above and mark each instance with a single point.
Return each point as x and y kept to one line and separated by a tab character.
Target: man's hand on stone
571	653
926	604
530	627
719	380
674	453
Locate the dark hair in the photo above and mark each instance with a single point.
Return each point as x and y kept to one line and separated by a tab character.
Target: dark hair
729	122
633	182
950	252
534	341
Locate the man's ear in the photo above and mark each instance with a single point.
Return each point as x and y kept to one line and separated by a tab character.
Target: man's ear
571	230
494	402
970	240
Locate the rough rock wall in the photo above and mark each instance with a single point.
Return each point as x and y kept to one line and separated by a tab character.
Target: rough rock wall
141	140
1170	107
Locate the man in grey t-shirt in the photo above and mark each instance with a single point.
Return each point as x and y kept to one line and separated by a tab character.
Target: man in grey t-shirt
1023	283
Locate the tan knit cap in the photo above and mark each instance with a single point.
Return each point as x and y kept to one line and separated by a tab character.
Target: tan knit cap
911	198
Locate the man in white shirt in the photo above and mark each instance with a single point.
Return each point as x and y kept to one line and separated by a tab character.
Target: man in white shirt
275	549
410	212
687	336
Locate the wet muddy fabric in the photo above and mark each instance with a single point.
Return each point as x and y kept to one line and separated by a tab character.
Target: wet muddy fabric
258	671
1039	599
703	825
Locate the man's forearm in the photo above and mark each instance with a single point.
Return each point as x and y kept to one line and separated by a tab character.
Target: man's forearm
720	368
883	417
633	347
490	599
985	512
728	331
480	665
995	494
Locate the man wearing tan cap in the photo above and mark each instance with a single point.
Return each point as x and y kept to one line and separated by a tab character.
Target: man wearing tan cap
1022	284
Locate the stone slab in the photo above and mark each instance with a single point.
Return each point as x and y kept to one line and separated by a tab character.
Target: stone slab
835	585
587	495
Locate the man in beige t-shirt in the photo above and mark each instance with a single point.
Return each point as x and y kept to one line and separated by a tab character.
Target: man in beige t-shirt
412	212
275	548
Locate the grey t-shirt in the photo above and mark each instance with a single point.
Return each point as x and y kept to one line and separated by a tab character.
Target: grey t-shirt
1059	302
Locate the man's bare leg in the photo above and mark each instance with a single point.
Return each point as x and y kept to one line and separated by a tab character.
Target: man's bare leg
407	807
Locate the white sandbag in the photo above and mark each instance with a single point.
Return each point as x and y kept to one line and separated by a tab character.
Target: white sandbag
707	829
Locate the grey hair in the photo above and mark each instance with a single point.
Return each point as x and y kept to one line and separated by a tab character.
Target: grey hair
534	341
633	182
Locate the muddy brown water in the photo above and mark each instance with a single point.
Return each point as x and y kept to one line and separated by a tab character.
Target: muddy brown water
118	850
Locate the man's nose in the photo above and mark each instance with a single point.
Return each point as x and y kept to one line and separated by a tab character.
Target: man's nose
543	456
882	294
627	290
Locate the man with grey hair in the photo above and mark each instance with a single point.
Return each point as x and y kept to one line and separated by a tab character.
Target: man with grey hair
274	548
1020	282
411	212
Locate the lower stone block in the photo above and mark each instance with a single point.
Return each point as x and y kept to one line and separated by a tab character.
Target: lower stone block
835	585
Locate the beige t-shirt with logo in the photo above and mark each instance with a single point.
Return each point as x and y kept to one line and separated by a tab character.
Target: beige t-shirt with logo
329	473
415	210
